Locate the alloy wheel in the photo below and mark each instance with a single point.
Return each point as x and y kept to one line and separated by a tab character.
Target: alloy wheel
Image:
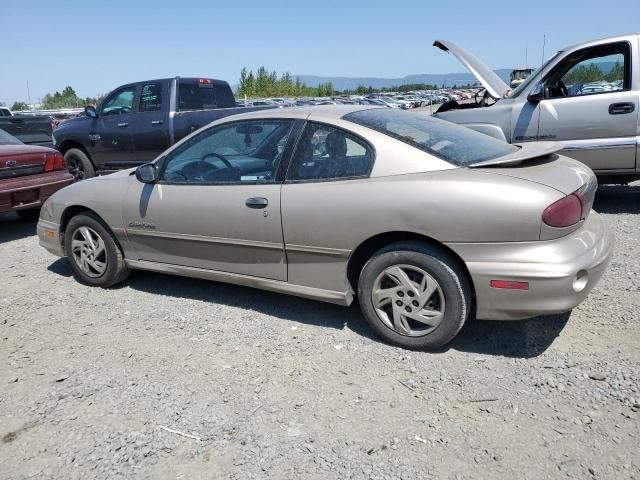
408	300
89	251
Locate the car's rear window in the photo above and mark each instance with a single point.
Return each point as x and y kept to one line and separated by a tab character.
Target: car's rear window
203	94
458	145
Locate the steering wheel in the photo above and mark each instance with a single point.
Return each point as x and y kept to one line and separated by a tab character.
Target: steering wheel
482	97
563	89
204	167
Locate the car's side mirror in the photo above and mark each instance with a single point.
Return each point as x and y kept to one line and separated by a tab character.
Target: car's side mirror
90	111
536	94
147	173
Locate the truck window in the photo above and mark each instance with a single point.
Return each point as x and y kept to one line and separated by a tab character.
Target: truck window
151	97
599	69
195	96
120	102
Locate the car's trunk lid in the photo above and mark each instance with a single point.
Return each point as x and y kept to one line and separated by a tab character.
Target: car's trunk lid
21	160
538	162
485	75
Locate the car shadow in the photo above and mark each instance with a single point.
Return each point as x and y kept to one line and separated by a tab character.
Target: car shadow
14	228
519	339
617	199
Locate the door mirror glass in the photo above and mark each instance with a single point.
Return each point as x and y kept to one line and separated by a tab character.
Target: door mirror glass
90	111
147	173
536	94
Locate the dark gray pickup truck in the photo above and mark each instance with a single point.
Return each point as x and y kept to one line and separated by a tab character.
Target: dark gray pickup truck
138	121
28	128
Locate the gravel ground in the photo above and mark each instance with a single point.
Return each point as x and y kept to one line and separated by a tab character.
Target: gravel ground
273	386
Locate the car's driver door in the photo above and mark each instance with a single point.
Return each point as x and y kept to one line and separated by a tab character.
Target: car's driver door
216	205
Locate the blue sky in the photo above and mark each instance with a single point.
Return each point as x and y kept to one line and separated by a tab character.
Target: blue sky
95	46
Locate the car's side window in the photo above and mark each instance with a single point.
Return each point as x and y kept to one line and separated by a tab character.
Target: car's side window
248	151
329	153
151	97
120	102
600	69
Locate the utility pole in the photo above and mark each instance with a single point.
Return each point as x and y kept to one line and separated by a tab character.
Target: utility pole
29	95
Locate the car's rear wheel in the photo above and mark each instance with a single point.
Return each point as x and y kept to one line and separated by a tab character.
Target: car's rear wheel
95	257
79	164
414	296
29	215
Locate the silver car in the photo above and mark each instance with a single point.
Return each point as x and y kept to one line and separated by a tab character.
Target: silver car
426	222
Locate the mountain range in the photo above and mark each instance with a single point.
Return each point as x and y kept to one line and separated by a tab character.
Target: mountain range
439	79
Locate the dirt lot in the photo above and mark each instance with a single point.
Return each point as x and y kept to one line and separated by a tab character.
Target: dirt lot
278	387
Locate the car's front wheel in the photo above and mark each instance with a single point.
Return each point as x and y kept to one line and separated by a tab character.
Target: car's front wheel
95	256
414	296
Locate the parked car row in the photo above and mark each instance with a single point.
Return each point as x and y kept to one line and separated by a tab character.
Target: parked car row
413	99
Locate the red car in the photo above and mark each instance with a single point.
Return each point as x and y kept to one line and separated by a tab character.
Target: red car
28	176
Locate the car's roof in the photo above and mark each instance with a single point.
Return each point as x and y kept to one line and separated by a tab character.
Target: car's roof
319	112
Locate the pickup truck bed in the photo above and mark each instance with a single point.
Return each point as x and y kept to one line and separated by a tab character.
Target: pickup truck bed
30	129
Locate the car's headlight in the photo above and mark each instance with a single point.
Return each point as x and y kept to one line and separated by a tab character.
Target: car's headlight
46	212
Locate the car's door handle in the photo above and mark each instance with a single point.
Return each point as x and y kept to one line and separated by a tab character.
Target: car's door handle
156	122
122	125
621	108
257	202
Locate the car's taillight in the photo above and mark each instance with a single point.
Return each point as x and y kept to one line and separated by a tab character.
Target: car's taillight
54	162
563	213
571	209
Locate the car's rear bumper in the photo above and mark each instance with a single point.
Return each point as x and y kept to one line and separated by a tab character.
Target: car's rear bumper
31	191
560	273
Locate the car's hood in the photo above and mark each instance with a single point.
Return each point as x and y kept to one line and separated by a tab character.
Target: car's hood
485	75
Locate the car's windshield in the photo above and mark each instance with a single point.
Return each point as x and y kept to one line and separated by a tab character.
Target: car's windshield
457	145
535	74
7	139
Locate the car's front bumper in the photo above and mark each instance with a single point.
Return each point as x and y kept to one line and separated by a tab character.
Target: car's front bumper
49	237
560	273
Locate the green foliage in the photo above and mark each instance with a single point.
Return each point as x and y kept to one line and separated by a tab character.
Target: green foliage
616	73
19	106
583	74
67	99
265	84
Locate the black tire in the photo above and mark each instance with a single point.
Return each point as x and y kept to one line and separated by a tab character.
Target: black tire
78	164
116	271
450	277
29	215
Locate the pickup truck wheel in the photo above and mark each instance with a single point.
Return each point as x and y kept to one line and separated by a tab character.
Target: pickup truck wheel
95	256
79	164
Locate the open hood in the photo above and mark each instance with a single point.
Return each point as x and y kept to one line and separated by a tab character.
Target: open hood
485	75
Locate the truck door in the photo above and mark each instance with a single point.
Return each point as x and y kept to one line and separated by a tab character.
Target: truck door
113	143
589	106
150	130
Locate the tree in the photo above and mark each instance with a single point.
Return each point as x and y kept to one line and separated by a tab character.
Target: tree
583	74
616	73
18	106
